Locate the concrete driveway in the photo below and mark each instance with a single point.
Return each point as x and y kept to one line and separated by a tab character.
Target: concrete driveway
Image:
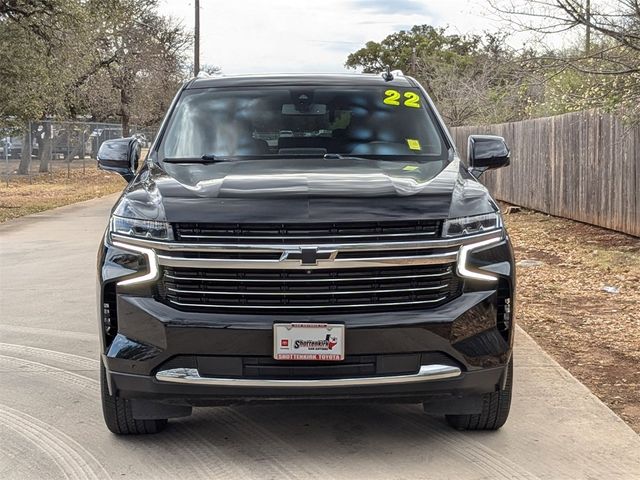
51	424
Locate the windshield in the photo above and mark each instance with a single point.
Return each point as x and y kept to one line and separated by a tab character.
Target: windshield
300	121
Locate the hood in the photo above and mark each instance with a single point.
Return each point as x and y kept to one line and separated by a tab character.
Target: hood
304	190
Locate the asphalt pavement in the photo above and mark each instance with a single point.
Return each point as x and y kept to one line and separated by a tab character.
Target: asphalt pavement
51	424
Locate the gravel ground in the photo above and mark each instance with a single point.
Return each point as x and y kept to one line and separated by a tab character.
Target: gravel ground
579	298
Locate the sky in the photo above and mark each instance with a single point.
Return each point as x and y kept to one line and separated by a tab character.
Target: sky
258	36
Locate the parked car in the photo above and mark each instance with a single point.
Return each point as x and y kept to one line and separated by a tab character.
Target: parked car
69	140
366	263
13	146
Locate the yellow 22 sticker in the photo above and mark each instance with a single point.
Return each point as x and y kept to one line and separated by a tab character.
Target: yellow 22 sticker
411	99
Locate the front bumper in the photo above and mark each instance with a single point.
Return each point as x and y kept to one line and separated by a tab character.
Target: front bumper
463	331
468	334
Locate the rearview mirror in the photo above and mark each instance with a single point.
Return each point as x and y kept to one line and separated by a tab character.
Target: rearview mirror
121	156
487	151
312	109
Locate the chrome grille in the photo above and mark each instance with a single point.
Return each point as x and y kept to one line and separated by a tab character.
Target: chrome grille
310	277
308	234
305	291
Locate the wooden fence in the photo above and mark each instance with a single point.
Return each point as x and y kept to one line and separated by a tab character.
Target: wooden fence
584	166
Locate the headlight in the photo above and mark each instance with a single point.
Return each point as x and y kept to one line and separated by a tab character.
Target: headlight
150	229
457	227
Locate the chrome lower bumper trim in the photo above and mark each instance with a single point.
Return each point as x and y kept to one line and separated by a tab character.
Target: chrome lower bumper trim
192	376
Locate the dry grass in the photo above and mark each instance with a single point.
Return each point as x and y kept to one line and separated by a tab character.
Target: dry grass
25	195
561	303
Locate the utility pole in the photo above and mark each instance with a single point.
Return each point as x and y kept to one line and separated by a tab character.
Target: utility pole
196	47
587	48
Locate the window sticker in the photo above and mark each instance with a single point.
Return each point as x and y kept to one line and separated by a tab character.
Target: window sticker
414	144
411	100
410	168
392	97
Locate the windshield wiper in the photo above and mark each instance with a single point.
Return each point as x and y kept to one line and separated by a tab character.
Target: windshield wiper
338	156
210	158
204	159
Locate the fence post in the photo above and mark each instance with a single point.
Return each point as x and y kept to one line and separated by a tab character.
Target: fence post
68	159
30	126
82	152
5	150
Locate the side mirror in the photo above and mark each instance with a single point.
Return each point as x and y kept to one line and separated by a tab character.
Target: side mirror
121	156
487	151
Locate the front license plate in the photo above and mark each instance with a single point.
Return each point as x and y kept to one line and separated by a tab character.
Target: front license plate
308	341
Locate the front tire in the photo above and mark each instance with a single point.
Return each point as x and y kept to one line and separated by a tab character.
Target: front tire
495	409
118	414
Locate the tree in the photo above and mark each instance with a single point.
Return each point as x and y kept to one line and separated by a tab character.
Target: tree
107	59
482	92
35	16
37	61
603	73
210	69
142	57
396	50
473	79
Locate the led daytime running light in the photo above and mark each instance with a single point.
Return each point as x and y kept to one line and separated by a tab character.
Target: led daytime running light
463	254
152	261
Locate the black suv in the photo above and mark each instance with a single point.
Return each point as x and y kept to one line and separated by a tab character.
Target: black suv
300	238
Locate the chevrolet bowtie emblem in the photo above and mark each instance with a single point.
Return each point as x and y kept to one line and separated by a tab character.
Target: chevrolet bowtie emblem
308	256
